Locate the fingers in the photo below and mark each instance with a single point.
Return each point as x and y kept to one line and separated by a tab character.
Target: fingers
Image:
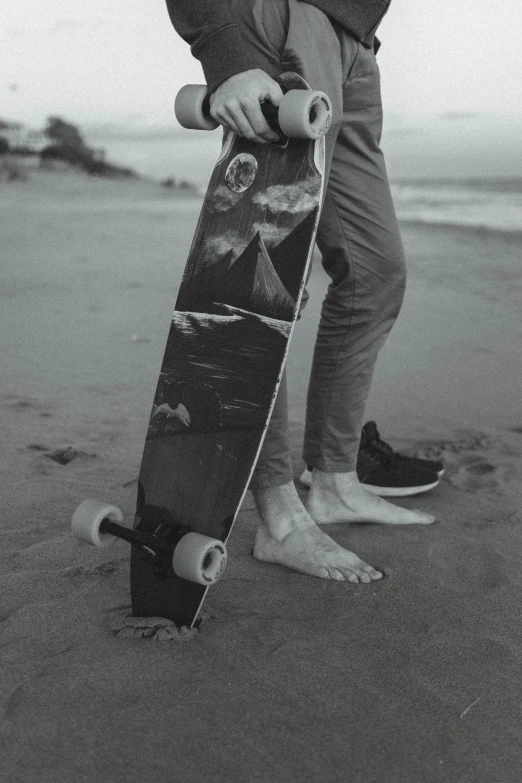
236	104
246	120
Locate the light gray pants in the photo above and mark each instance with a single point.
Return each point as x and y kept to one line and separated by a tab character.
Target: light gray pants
358	234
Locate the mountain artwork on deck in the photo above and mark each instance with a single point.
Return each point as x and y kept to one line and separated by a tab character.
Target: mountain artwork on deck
239	293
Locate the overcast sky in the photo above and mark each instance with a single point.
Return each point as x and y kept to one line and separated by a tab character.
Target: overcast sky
120	61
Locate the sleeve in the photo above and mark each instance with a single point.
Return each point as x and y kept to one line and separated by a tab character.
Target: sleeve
214	38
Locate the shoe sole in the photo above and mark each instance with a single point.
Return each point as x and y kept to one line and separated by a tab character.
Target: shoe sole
383	492
440	473
398	492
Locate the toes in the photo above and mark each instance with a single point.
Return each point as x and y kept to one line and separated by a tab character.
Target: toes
367	574
331	573
372	573
353	578
424	519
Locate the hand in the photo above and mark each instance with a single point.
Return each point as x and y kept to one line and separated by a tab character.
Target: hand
236	104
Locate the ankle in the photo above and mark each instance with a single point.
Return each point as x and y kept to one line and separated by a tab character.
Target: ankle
275	497
321	480
281	510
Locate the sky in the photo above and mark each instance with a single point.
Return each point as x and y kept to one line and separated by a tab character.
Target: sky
119	63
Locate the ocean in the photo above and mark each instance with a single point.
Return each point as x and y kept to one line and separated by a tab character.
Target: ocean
476	195
488	203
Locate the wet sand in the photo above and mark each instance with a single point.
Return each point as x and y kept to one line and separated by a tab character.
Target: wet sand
412	679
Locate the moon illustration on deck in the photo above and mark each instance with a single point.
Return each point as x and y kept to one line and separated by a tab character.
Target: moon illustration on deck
241	173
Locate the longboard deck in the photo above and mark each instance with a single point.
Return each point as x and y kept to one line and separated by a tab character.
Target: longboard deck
236	307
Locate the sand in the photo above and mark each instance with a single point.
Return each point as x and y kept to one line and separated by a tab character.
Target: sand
410	680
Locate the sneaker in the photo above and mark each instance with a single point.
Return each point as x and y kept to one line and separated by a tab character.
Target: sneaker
371	442
386	473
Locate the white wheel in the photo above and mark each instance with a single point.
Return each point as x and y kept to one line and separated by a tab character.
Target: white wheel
189	108
305	114
199	558
87	519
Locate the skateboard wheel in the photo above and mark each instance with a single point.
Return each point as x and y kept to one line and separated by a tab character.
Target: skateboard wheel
87	519
305	114
199	558
191	110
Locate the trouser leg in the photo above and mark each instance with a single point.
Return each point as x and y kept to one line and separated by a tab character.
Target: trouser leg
358	234
292	36
363	254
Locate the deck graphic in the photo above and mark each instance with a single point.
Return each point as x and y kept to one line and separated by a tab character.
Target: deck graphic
228	338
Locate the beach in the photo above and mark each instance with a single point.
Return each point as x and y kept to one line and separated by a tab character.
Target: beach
413	679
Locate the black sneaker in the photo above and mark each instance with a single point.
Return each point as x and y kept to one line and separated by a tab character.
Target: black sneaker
383	478
372	443
386	473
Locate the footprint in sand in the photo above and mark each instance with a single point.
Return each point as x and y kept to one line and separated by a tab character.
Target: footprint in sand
156	629
476	475
62	456
474	460
22	405
91	571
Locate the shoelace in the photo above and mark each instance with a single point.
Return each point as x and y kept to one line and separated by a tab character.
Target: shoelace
371	436
371	440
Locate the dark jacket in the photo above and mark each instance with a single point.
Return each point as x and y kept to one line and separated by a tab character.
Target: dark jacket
215	38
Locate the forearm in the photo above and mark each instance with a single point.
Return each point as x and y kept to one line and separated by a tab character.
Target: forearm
214	38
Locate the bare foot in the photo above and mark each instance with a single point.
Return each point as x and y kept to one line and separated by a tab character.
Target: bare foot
340	497
289	537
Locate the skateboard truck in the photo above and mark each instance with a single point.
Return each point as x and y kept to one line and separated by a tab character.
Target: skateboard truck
190	555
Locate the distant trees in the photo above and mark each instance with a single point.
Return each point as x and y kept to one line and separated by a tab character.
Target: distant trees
183	184
67	144
64	134
8	171
61	141
4	144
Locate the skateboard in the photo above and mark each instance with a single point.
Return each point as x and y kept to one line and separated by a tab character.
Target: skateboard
237	304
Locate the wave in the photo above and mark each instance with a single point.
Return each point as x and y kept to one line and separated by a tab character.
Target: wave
490	184
484	203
